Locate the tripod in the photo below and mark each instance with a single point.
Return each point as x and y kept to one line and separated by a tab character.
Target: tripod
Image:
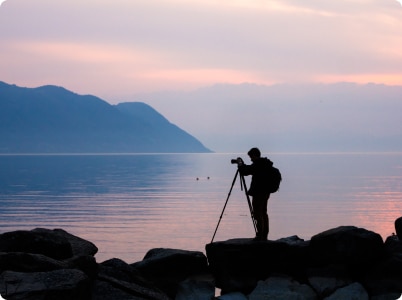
242	186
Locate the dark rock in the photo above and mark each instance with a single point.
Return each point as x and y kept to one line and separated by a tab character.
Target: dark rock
393	245
167	268
53	264
196	288
325	286
238	264
331	261
28	262
284	288
79	246
119	269
326	280
58	284
380	286
86	263
387	296
233	296
292	240
46	242
341	262
391	266
133	288
349	245
103	290
385	276
124	277
354	291
398	227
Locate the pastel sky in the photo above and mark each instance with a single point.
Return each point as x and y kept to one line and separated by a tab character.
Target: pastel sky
116	48
121	49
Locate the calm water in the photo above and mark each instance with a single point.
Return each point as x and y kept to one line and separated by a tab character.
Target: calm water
128	204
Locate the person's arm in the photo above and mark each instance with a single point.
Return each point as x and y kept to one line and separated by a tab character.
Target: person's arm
246	170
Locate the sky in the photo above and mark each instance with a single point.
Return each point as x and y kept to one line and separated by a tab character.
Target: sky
117	49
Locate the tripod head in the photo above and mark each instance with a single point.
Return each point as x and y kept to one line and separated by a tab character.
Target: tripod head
239	161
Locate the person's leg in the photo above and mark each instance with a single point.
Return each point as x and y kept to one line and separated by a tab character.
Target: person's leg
265	218
260	203
258	210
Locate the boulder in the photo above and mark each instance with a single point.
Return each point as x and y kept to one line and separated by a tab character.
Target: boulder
354	291
103	290
387	296
56	243
79	246
121	270
28	262
325	286
348	245
393	245
54	264
167	268
326	280
238	264
385	276
332	260
58	284
85	263
398	227
46	242
284	288
117	278
343	262
233	296
196	288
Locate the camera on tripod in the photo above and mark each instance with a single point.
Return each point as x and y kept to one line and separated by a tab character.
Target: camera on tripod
239	161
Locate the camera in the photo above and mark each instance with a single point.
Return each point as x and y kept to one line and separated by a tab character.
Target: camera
238	161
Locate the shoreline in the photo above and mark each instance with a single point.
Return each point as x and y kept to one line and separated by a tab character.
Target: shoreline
346	259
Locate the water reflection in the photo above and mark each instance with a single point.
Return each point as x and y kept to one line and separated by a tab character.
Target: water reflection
127	204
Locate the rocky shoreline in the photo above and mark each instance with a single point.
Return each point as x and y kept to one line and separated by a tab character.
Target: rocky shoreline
341	263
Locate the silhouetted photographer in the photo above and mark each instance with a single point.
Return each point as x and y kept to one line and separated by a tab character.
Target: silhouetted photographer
260	189
265	180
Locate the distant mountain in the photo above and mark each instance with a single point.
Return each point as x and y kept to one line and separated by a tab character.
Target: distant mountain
52	119
339	117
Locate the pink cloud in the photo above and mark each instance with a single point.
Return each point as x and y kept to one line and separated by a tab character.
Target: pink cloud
144	45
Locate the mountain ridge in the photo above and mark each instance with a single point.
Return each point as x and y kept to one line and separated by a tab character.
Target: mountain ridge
53	119
310	117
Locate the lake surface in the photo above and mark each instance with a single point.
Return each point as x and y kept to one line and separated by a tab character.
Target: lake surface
128	204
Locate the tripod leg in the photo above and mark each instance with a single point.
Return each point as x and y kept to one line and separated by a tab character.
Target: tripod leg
243	182
227	199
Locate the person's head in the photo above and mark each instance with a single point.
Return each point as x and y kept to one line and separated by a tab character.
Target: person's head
254	154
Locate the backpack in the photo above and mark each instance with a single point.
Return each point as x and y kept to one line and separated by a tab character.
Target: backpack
274	179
